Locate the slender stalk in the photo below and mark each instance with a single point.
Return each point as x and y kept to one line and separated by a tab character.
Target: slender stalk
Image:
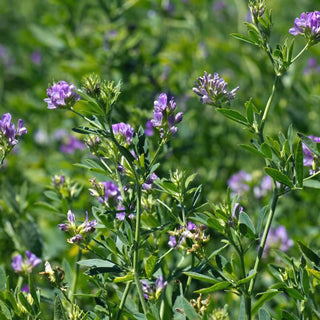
301	52
123	299
136	251
155	157
264	238
75	281
267	108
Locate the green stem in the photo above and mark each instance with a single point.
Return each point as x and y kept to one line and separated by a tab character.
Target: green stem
301	52
123	299
155	157
75	281
264	238
267	108
136	251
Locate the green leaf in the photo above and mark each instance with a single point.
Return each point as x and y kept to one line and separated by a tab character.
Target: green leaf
309	254
183	304
249	111
315	273
233	115
278	176
4	311
311	184
23	300
309	143
59	313
168	186
299	163
288	316
264	315
304	278
293	293
243	37
268	295
266	149
150	264
252	149
246	226
251	275
201	277
99	266
87	108
216	287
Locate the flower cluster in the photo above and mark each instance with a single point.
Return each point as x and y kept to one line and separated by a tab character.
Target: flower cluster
61	95
55	276
191	231
8	132
212	90
25	266
106	192
147	185
278	238
240	183
310	159
151	292
78	233
124	132
307	25
164	118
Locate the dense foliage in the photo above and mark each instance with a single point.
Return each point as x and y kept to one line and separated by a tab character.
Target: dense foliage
159	159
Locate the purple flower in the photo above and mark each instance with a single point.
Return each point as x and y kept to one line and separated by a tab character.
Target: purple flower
78	233
278	237
36	57
151	292
164	118
147	289
149	129
61	95
239	182
307	25
123	130
309	159
8	130
111	192
71	145
312	66
25	266
265	186
191	226
219	6
212	90
172	242
148	183
121	215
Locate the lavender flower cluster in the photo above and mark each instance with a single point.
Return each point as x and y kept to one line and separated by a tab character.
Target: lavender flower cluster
8	133
240	183
212	90
124	132
61	95
196	234
310	159
108	193
80	232
151	292
25	266
164	118
307	25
